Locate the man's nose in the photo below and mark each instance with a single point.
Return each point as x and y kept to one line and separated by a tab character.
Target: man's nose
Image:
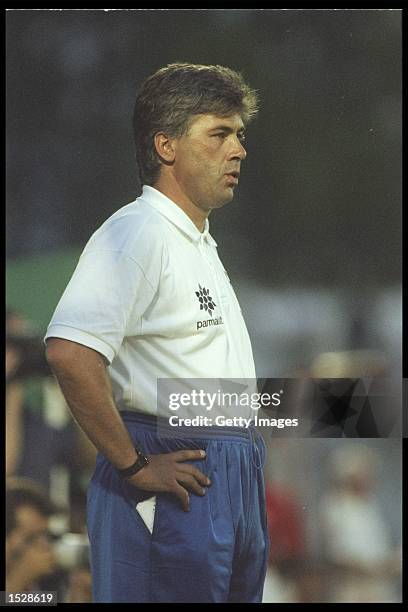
238	151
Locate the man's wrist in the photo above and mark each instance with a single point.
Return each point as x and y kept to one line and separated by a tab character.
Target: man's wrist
140	462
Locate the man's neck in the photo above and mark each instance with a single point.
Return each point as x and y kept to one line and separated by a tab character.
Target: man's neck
175	194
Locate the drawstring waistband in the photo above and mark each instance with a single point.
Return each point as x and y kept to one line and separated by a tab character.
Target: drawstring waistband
163	428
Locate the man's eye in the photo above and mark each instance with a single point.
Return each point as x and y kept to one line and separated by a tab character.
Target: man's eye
223	135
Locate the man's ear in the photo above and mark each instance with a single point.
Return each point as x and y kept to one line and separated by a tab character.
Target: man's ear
165	147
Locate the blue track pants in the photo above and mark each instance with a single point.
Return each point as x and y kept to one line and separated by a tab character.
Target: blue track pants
216	552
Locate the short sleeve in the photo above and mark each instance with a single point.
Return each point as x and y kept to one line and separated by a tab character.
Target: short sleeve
104	301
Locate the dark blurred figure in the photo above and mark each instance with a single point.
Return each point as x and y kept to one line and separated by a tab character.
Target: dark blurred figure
25	356
42	441
16	327
29	554
345	394
25	361
39	554
79	588
364	565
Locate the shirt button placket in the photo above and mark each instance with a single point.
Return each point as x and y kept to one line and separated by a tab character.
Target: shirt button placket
203	249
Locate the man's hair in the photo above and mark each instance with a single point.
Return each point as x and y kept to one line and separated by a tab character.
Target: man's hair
25	492
169	98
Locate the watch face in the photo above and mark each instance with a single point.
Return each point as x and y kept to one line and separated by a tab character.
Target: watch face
141	457
142	461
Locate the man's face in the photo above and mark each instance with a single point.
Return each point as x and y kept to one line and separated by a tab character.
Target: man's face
30	521
30	525
208	159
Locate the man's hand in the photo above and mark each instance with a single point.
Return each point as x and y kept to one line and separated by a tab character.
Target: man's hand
168	473
82	375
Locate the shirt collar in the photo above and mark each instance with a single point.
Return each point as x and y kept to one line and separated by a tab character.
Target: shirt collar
175	214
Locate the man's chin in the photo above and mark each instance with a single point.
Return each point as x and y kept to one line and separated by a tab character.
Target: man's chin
228	196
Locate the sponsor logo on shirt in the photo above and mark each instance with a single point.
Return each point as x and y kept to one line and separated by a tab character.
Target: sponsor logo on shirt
206	301
207	304
210	322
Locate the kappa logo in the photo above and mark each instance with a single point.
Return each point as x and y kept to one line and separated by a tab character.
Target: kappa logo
206	301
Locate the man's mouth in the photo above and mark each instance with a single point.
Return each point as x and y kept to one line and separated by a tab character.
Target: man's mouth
232	176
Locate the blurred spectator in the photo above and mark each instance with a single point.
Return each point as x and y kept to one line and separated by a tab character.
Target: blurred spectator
292	576
14	408
286	534
29	555
16	326
367	363
286	544
16	323
364	566
79	588
42	440
40	555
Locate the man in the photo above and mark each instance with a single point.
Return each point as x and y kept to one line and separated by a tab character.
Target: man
29	555
150	299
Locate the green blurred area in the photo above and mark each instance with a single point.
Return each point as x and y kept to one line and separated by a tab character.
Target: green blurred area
35	284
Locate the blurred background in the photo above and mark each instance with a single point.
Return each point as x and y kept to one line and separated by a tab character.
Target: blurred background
312	244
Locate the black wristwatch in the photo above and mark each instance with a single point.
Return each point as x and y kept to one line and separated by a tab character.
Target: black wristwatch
140	463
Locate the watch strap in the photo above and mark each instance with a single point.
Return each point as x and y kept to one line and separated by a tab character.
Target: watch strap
140	463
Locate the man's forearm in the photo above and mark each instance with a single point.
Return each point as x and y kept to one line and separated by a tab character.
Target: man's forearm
82	376
81	373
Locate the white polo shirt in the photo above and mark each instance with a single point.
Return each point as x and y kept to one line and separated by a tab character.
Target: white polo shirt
151	294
